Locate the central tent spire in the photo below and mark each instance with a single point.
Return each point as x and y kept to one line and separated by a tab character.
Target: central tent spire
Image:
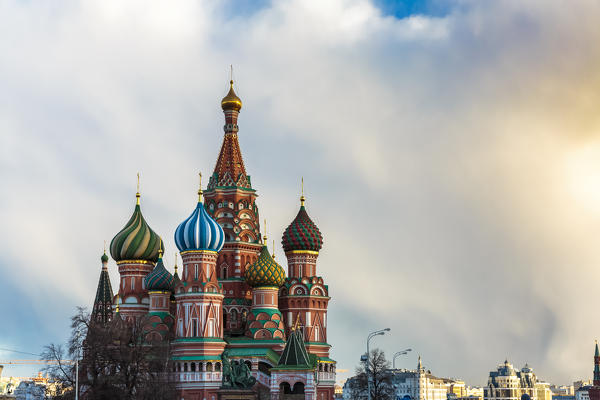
230	171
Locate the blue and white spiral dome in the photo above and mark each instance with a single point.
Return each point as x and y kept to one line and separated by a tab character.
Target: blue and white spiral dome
199	232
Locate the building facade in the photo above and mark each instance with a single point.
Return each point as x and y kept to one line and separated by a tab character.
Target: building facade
507	383
418	384
232	298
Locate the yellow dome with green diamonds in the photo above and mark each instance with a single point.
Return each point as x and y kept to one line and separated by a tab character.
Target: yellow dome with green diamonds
265	271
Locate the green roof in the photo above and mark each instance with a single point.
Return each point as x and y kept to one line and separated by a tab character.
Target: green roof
254	352
294	354
196	358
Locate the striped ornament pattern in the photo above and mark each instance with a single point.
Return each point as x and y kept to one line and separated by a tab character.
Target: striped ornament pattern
302	234
159	278
199	232
136	241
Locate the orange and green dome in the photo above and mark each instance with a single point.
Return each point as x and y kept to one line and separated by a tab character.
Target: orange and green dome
302	234
265	271
136	241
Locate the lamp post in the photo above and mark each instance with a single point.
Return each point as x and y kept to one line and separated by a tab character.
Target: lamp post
400	353
371	336
78	334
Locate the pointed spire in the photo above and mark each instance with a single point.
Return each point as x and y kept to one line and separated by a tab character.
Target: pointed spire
302	198
265	235
102	311
420	365
297	323
137	194
200	188
597	353
294	354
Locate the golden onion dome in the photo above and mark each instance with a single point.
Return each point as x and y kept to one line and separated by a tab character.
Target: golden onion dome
231	101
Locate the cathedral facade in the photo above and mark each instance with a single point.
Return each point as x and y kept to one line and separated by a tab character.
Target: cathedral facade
232	302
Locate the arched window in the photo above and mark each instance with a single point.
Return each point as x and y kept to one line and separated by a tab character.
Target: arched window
193	366
298	388
285	388
224	272
234	319
209	367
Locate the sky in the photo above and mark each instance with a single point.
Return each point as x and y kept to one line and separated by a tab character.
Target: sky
450	152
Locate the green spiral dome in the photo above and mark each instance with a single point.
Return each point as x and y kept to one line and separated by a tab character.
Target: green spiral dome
265	271
136	241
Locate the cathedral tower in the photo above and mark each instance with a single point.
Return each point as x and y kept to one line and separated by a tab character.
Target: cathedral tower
231	201
594	391
135	249
304	294
159	284
199	330
102	311
304	297
265	276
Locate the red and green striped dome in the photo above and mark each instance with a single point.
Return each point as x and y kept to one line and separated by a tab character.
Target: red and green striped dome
265	271
302	234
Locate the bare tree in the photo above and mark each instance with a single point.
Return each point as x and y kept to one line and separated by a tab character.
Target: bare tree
382	387
116	362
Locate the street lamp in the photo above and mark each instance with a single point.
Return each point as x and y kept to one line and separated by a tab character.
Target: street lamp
371	336
78	334
400	353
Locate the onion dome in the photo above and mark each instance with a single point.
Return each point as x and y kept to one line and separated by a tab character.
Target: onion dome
265	271
136	241
159	278
302	234
199	231
231	101
104	258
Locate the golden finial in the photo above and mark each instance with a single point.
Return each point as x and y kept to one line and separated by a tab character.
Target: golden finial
160	246
200	188
231	74
302	198
265	235
231	101
273	249
137	195
297	323
117	301
105	247
175	262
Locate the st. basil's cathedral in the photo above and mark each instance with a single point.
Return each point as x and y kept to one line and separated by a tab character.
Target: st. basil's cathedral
232	298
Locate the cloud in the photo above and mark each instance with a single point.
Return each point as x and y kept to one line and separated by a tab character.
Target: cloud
450	160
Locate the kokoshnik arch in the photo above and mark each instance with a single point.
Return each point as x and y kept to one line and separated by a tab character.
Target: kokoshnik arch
231	296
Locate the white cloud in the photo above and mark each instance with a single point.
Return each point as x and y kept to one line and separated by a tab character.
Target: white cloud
449	160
